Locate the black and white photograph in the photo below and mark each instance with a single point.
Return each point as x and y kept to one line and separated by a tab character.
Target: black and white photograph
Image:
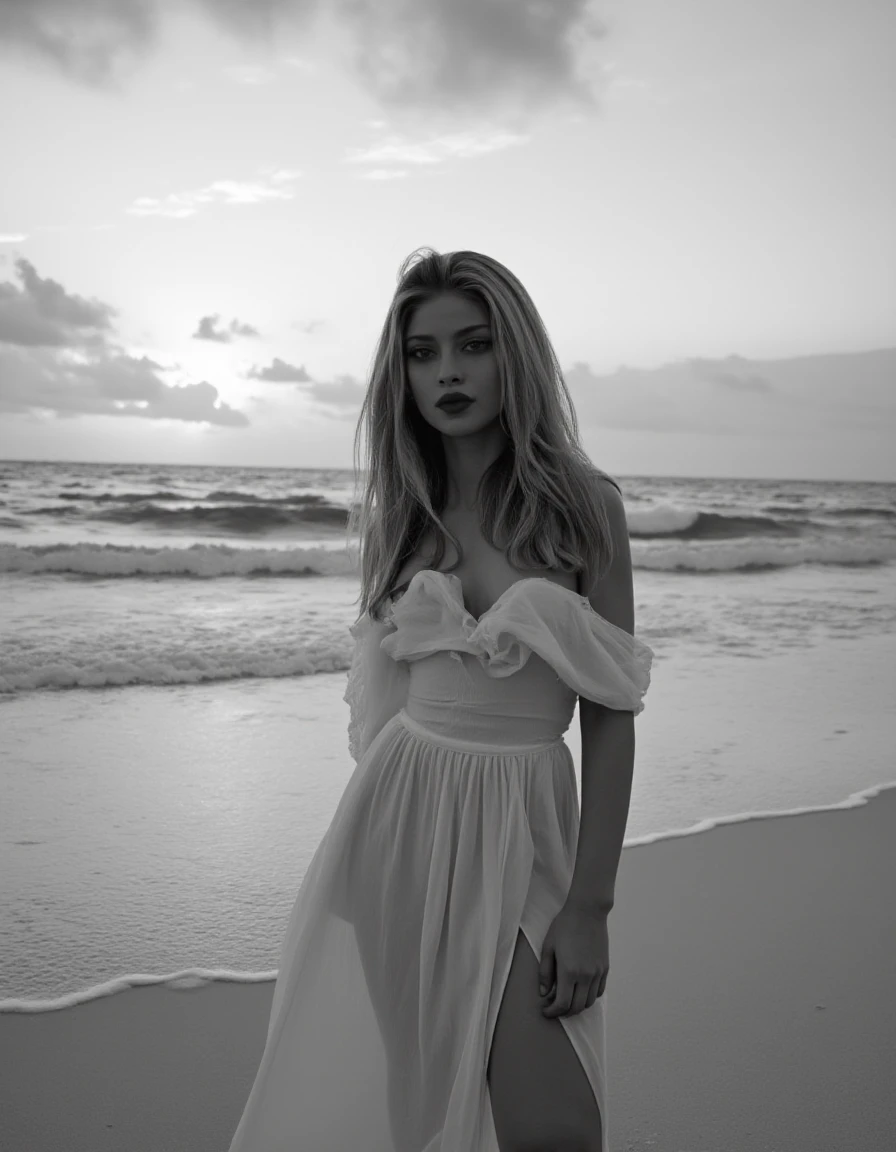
447	554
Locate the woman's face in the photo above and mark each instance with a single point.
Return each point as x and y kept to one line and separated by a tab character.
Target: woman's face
442	356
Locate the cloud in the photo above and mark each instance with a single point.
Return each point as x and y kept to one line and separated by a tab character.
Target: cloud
249	75
738	397
280	373
435	150
426	56
339	399
43	314
206	330
735	373
57	355
178	205
86	40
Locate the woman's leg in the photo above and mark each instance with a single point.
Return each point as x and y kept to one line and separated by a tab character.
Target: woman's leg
542	1100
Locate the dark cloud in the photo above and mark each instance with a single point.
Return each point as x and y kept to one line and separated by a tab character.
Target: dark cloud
57	354
734	373
280	373
42	314
424	56
87	40
736	396
339	398
207	330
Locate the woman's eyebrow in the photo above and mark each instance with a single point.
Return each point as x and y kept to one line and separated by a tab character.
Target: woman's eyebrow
459	332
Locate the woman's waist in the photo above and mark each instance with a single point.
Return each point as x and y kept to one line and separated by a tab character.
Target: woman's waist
480	729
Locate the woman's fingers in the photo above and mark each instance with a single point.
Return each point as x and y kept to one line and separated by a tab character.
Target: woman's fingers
573	998
562	998
580	999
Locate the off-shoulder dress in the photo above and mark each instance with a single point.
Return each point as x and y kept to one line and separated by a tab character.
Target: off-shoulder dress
456	830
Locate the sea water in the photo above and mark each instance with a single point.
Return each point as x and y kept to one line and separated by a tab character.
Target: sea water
173	650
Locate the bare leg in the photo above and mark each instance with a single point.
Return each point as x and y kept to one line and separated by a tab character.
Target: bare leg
540	1094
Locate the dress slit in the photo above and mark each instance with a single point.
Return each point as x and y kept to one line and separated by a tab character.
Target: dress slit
572	1038
456	832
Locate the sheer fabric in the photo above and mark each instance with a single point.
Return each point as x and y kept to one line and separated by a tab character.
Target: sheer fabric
457	830
376	686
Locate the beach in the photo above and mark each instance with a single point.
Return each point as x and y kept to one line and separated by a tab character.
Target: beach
169	831
751	1007
173	746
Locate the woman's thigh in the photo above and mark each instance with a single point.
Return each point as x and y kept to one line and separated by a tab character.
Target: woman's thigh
539	1091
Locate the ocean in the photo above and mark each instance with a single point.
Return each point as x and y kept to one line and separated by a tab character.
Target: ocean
173	652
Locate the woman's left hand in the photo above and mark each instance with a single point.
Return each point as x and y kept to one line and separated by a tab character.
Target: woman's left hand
575	961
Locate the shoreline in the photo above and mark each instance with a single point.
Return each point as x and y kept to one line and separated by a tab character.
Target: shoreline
192	978
750	1007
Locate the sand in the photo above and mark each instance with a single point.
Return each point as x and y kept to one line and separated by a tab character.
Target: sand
752	1005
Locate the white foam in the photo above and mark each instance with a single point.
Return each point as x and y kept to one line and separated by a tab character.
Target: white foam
756	553
190	667
208	561
855	800
191	978
660	519
186	979
199	560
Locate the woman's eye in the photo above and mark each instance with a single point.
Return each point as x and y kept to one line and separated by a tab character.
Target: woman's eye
414	351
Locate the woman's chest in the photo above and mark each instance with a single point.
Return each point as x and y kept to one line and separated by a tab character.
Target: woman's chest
484	573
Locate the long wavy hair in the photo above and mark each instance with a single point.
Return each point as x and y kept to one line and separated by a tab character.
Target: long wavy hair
538	497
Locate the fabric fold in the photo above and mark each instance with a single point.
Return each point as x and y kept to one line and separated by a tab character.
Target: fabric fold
597	659
376	686
456	836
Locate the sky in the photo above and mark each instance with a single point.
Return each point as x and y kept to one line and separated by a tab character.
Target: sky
205	204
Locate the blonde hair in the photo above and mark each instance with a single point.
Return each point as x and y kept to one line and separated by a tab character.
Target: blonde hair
538	496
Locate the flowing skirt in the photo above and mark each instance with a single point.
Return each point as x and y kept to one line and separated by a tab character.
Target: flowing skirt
400	942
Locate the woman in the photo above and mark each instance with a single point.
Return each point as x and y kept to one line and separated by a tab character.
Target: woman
442	979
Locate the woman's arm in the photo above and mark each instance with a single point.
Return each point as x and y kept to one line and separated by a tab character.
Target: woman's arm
608	740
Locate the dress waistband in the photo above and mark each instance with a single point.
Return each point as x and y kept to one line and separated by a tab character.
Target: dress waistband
472	745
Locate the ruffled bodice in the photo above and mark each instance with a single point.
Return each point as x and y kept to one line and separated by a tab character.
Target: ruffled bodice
452	848
549	639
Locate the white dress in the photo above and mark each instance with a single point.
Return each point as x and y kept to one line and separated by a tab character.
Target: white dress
457	828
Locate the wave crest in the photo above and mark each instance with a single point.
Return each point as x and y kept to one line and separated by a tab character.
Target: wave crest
204	561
